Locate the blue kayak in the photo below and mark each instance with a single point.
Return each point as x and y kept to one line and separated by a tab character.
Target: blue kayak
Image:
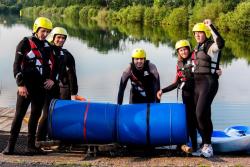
232	139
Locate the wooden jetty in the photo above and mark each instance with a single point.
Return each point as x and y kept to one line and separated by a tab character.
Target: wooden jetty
6	117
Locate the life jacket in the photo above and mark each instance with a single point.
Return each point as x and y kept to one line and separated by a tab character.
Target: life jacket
184	75
201	61
36	55
136	83
184	70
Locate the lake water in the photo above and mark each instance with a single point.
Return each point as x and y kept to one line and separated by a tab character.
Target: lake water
101	55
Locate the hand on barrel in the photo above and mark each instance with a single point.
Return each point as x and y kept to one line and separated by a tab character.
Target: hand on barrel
159	94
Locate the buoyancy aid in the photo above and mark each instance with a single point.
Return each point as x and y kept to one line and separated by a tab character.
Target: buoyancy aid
35	55
184	70
137	84
184	73
140	79
201	61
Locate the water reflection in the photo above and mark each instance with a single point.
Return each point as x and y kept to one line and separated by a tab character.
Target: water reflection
105	37
237	46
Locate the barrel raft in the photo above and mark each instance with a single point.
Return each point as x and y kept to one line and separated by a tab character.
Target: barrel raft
155	124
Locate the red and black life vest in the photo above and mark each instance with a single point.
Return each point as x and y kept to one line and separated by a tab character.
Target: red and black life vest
38	58
136	84
141	80
184	70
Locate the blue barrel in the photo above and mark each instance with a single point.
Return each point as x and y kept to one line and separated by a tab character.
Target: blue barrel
82	122
152	124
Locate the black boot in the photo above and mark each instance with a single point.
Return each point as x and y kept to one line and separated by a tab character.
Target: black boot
31	148
34	151
9	149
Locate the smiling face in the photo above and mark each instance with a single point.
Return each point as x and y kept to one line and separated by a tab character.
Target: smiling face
59	40
139	63
200	36
42	33
183	52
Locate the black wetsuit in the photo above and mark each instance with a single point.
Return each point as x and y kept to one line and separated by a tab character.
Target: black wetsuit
31	75
144	84
184	81
206	58
67	73
67	85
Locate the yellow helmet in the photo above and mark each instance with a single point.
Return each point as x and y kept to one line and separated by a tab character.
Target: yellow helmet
42	22
182	43
202	27
138	53
60	31
56	31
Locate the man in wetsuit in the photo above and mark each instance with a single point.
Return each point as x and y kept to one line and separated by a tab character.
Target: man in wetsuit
67	77
34	71
144	77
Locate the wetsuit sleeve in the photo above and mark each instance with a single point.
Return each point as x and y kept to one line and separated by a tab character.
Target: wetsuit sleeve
172	86
214	50
19	58
123	84
219	41
157	85
72	74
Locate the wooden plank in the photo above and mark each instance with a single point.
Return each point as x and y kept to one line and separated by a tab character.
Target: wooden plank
6	118
5	111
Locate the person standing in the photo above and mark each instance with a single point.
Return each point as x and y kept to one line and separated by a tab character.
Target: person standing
34	71
184	81
67	71
144	77
66	76
205	60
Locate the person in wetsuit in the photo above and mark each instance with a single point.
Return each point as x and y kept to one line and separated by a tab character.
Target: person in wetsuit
184	81
144	77
34	71
67	71
66	76
205	60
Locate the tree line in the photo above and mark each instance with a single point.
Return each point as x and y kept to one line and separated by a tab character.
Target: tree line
105	37
113	4
229	15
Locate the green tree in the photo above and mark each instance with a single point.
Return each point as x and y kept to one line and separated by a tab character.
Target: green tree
72	11
237	20
118	4
178	17
211	10
136	14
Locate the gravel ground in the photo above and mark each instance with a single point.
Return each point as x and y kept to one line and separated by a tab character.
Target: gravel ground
80	159
122	158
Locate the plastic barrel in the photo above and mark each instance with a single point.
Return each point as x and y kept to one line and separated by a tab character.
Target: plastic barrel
82	122
152	124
